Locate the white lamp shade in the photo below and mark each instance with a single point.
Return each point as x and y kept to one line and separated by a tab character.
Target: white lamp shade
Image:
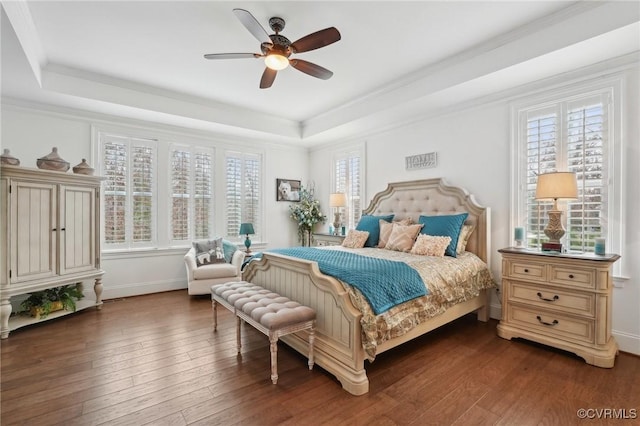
557	185
276	62
338	200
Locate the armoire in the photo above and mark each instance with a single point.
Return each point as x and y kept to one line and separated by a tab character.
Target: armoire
50	236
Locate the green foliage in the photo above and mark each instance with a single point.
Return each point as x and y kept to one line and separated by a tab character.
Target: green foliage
306	213
43	300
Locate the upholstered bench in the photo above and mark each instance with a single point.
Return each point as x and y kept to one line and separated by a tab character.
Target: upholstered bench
268	312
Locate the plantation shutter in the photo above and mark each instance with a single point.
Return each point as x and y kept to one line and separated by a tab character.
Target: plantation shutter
586	128
180	189
572	136
348	180
191	193
115	191
143	183
128	168
203	195
243	192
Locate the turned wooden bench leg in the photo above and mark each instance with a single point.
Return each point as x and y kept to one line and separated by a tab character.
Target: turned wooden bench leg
273	338
312	337
215	315
238	336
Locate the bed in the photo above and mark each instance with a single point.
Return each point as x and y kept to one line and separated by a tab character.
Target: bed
341	326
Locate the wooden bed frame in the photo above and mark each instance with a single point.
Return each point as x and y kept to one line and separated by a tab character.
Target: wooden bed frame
338	341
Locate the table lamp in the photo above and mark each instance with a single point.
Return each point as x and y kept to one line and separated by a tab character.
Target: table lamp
246	229
554	186
337	200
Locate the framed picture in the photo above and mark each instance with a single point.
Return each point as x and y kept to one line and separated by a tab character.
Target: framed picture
287	190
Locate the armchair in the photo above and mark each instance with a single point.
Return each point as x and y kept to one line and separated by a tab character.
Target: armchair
201	278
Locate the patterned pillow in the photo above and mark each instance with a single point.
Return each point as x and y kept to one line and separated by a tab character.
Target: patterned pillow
371	225
355	239
463	239
387	227
209	251
403	236
428	245
445	226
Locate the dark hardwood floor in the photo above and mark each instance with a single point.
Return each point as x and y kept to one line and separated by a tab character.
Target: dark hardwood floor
154	360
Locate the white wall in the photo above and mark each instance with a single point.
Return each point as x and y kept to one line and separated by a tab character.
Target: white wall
473	148
31	132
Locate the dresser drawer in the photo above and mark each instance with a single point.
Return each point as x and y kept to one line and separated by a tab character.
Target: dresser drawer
552	323
526	270
566	301
572	276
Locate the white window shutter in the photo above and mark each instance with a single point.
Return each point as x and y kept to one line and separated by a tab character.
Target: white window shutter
570	135
129	168
243	176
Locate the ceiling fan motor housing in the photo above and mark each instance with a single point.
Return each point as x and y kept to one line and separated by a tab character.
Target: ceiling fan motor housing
277	24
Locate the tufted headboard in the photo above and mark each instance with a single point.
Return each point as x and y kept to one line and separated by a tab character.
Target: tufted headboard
434	197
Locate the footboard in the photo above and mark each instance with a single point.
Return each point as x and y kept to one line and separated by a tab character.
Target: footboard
338	341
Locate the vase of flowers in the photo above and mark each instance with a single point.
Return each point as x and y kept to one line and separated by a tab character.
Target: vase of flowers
306	213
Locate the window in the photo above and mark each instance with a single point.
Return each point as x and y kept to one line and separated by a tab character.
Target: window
348	178
243	193
129	168
191	193
157	194
577	133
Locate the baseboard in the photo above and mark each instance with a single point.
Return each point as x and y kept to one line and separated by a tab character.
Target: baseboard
137	289
627	342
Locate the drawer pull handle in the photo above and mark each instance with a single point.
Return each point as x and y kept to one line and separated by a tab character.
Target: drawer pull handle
550	324
555	297
570	275
526	270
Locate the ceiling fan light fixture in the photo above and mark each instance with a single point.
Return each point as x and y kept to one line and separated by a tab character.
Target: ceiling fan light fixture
276	61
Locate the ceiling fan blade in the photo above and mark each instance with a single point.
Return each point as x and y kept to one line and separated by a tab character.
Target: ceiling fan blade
316	40
311	69
267	78
252	24
231	55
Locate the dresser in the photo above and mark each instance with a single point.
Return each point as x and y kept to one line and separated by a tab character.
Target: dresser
560	300
50	236
321	239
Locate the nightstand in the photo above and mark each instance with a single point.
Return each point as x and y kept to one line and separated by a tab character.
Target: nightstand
560	300
321	239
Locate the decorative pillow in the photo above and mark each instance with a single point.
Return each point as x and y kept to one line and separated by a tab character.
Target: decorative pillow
355	239
428	245
387	227
445	226
463	239
372	226
403	236
229	249
209	251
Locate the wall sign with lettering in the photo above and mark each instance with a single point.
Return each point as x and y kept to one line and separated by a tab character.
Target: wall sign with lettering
421	161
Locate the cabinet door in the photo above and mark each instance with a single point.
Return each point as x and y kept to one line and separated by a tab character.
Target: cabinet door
77	229
33	230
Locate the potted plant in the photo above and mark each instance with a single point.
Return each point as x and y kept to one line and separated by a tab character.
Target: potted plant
42	303
306	213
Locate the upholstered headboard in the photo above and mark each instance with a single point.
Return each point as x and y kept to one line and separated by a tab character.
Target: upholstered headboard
435	197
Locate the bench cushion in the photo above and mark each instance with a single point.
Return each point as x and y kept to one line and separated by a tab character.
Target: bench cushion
264	306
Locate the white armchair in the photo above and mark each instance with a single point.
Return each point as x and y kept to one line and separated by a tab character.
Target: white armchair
201	278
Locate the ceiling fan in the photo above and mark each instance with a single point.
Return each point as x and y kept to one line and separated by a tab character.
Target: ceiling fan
276	48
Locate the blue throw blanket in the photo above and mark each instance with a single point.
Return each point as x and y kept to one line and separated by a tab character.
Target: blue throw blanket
384	283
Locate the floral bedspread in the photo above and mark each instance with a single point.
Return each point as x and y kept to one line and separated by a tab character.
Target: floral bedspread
449	281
